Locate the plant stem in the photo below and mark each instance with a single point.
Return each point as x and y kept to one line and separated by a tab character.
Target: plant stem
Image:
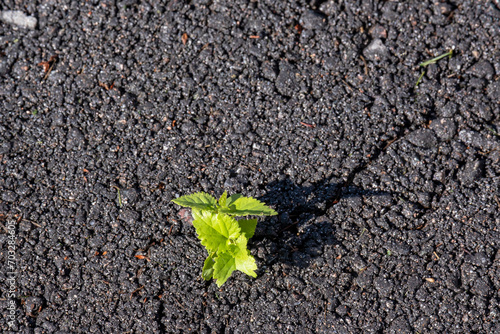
434	60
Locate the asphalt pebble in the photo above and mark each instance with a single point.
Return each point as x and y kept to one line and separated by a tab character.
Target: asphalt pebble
471	172
423	138
445	128
313	20
483	69
18	18
376	50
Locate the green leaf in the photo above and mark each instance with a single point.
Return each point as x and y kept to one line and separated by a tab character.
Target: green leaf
248	226
222	200
223	268
244	262
200	201
216	231
233	198
208	268
196	213
244	206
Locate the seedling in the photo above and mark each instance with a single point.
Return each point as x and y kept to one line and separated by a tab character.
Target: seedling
493	131
432	61
224	237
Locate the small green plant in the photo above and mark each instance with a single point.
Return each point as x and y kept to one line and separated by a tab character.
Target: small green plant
224	237
435	59
432	61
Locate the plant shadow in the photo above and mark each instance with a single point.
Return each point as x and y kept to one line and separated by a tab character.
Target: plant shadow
302	228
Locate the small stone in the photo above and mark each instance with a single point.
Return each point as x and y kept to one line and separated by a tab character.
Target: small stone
188	127
5	147
329	7
358	263
129	216
423	138
377	31
383	286
444	8
475	139
32	304
445	128
342	310
287	83
484	111
313	20
449	109
185	216
74	140
9	196
482	69
424	198
268	71
480	259
129	196
400	325
19	19
243	127
481	287
472	171
232	183
376	50
129	100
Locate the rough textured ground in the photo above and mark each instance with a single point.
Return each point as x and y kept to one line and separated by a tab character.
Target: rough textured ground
388	193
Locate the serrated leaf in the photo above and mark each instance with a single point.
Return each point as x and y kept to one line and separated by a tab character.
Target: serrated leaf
195	213
244	262
223	268
245	206
200	201
232	198
208	268
248	226
216	230
222	200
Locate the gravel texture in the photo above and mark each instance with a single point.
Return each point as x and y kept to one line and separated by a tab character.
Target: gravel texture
388	192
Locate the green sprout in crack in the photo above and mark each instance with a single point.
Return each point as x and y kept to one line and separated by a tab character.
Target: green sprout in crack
435	59
432	61
493	132
225	237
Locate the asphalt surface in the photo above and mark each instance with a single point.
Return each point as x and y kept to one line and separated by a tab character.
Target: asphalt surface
385	174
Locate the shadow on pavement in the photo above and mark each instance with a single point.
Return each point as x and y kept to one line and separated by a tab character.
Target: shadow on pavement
303	227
